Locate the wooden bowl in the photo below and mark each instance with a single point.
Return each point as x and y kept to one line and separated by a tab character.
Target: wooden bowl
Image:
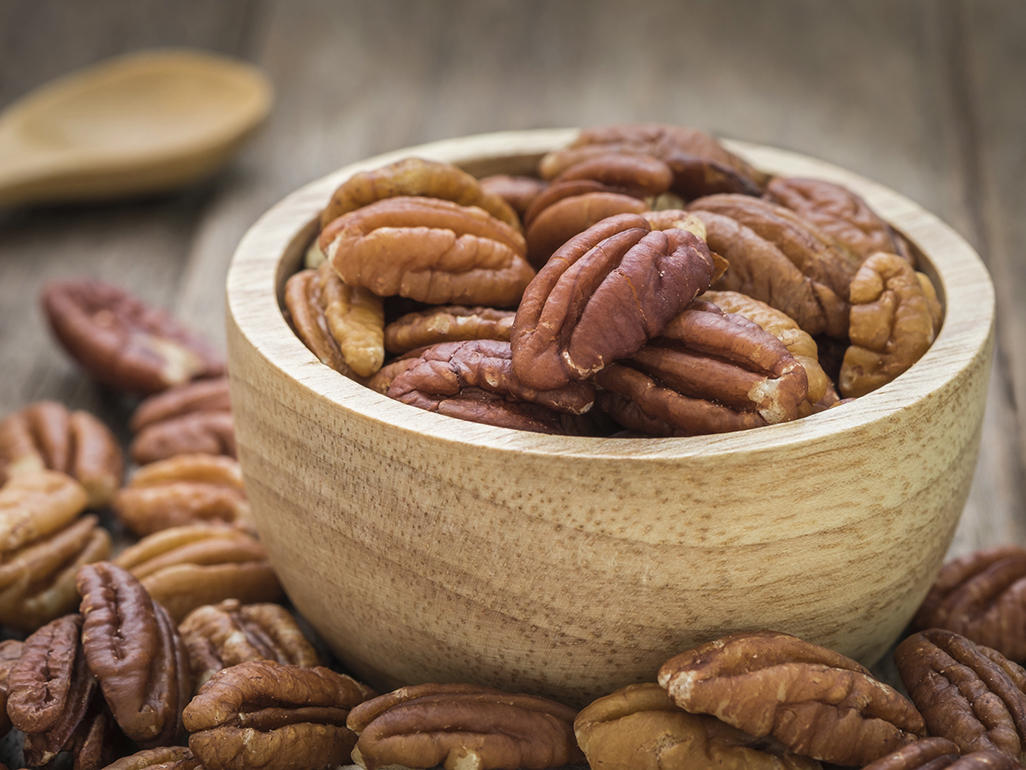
426	548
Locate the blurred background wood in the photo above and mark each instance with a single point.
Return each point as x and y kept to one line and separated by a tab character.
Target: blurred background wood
922	95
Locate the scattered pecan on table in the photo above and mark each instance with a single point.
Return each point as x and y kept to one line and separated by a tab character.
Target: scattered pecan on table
194	417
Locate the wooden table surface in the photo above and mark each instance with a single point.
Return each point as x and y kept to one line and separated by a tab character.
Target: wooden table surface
925	96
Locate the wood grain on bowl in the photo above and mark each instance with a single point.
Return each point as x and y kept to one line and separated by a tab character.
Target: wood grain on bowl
425	548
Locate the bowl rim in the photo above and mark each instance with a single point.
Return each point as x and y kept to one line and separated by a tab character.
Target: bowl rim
253	305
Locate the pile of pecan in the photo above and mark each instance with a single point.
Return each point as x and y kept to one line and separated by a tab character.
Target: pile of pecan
647	282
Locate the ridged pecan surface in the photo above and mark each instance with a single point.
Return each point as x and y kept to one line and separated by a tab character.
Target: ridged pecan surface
942	754
449	323
10	651
195	417
517	191
162	758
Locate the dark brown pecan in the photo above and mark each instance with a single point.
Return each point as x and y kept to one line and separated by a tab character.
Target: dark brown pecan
123	343
186	567
415	176
133	649
460	725
895	316
450	323
941	754
517	191
161	758
700	164
981	596
708	372
966	694
382	381
430	250
342	325
184	489
779	258
45	435
605	293
217	636
266	714
10	651
816	702
839	214
640	728
195	417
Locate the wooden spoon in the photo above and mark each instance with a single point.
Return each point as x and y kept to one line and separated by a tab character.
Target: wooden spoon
139	123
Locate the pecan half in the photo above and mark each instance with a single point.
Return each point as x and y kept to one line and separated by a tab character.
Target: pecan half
895	316
640	728
461	725
161	758
839	214
342	324
45	435
186	567
195	417
940	753
517	191
816	702
217	636
184	489
700	164
450	323
133	649
967	693
708	372
430	250
981	596
821	392
266	714
123	343
605	293
415	176
32	505
10	651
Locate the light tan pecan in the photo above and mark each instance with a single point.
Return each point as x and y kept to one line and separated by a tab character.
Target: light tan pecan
266	714
217	636
839	214
195	417
123	343
640	728
10	651
186	567
605	293
418	177
430	250
708	372
43	541
895	316
342	324
45	435
700	164
184	489
449	323
463	726
981	596
814	701
162	758
967	693
942	754
517	191
821	394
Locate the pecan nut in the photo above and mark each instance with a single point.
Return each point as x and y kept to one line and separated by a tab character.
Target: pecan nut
123	343
461	725
640	728
604	293
518	191
709	372
981	596
967	693
217	636
10	651
838	213
430	250
814	701
133	649
45	435
186	567
342	324
43	542
700	164
450	323
895	316
941	754
266	714
195	417
415	177
161	758
184	489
